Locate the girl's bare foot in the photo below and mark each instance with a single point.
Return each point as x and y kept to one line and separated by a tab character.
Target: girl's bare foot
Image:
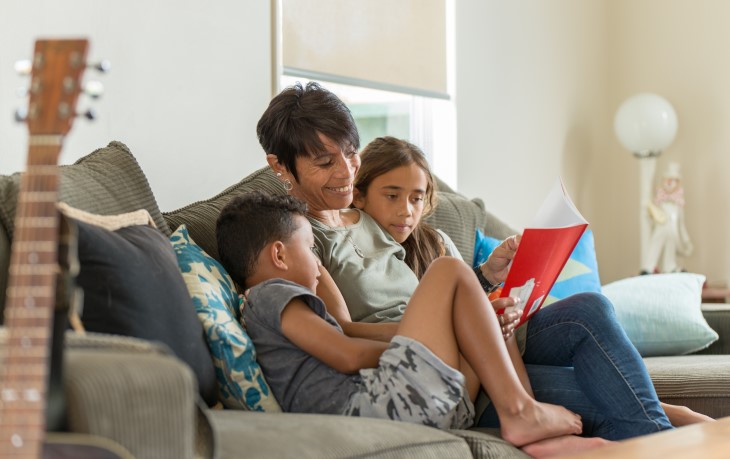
681	415
566	444
538	421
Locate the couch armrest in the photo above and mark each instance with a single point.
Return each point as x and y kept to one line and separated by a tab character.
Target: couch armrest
718	317
132	392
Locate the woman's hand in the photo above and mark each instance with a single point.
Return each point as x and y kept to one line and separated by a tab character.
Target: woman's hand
510	317
497	266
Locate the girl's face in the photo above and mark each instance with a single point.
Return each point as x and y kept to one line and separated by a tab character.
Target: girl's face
396	200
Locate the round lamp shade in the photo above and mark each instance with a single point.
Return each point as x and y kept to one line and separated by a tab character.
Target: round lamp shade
645	124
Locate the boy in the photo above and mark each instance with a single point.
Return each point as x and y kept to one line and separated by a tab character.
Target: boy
265	243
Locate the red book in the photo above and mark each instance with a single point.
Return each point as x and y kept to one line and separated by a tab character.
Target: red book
543	251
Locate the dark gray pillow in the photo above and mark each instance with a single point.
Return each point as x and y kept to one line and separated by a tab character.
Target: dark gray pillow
133	287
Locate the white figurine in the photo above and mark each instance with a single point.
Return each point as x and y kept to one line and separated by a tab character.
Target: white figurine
669	236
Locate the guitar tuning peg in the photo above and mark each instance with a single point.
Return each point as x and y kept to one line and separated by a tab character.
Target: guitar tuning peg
23	67
94	89
20	115
103	66
89	114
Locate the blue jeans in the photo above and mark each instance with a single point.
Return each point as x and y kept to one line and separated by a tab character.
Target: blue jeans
578	356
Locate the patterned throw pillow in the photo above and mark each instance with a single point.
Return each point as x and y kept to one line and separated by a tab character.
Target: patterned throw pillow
241	383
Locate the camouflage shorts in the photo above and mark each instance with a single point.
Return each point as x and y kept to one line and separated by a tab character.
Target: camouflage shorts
412	384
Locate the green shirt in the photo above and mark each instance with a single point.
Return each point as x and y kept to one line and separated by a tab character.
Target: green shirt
367	265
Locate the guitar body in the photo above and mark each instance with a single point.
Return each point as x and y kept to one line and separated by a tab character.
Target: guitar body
35	287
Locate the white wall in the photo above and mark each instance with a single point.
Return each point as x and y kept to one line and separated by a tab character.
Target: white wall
189	80
530	97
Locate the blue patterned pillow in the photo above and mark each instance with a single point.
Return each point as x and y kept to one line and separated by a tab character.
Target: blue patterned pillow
580	273
241	384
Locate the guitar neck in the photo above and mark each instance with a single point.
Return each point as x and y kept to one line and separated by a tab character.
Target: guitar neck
31	297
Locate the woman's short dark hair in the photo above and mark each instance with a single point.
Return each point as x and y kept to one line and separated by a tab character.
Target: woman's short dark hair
290	126
248	223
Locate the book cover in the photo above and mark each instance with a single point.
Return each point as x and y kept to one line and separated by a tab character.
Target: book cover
543	251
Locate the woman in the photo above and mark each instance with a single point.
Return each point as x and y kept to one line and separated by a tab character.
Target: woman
576	353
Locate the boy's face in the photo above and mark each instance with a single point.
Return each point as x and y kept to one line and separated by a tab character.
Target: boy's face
302	262
396	200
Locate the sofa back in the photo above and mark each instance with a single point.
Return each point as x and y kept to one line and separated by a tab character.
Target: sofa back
109	181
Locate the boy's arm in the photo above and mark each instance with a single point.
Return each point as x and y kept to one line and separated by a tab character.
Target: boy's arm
329	293
316	337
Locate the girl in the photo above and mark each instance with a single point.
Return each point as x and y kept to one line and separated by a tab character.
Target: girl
395	186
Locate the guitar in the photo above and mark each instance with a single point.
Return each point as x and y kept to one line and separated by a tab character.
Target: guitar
33	285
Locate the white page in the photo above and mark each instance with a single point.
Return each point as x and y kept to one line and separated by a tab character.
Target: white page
558	210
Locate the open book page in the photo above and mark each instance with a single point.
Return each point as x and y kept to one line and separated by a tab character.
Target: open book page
543	251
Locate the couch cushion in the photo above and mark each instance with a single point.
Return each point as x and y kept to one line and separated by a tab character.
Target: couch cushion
108	181
319	436
200	217
241	382
132	287
460	217
701	382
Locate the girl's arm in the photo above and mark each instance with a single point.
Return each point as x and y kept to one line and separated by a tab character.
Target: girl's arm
316	337
329	293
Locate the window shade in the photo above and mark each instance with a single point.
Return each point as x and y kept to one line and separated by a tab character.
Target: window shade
382	44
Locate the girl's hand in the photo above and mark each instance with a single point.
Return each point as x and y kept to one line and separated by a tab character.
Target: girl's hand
507	320
497	265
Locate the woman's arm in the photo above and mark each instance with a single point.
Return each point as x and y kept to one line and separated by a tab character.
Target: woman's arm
316	337
329	293
497	266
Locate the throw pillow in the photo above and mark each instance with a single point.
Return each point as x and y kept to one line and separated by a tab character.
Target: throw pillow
241	382
580	273
132	287
662	313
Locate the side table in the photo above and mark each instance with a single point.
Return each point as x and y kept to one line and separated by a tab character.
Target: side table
716	295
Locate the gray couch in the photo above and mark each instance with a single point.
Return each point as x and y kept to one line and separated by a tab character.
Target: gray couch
137	394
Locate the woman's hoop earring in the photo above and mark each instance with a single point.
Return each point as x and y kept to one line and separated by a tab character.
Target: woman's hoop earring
288	185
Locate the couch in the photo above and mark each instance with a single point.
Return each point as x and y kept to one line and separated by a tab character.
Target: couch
142	396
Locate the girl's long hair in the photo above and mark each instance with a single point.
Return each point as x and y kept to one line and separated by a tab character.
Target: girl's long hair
383	155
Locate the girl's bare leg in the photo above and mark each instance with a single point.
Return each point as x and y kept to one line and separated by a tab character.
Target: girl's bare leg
449	314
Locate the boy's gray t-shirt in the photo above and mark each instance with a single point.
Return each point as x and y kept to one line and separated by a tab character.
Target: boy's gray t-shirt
301	383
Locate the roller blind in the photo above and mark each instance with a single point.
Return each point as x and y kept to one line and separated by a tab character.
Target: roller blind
394	45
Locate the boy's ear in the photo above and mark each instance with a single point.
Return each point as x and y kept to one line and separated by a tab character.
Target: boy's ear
358	200
277	255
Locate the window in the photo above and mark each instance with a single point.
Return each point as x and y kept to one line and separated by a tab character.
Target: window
330	44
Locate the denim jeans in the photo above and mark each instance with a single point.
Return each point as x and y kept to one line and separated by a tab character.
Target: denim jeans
578	356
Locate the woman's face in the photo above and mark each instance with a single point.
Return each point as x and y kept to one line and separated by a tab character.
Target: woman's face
325	179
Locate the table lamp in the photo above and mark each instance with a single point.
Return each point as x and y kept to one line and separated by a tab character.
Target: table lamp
645	124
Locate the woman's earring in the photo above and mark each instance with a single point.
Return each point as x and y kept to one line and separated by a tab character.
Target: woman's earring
278	174
287	185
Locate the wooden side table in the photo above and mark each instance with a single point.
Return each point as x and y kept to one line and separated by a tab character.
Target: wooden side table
708	440
716	295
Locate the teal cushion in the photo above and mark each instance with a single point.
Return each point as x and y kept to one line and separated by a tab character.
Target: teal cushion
662	313
580	273
241	383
